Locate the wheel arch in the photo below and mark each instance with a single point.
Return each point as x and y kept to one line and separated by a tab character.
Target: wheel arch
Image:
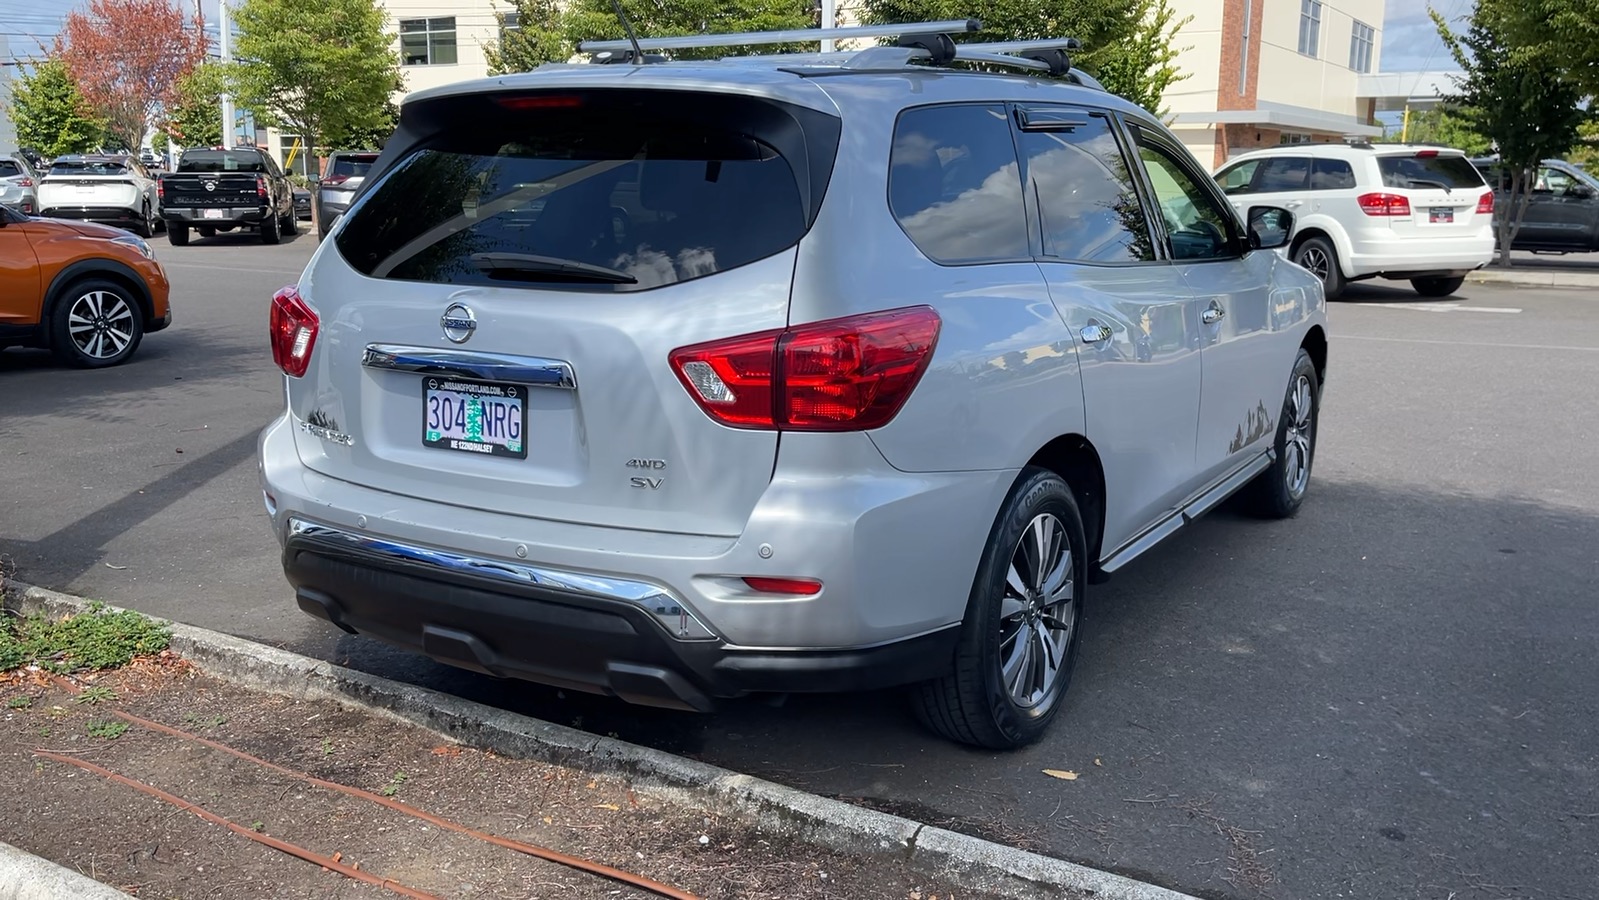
108	269
1074	459
1315	343
1339	242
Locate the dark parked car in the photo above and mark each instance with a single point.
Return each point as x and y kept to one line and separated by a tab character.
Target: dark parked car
346	171
219	190
302	203
1563	212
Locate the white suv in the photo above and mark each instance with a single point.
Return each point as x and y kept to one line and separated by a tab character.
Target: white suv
1397	211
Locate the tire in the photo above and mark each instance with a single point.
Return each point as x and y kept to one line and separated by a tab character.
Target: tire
974	703
146	226
1278	492
271	230
1318	256
291	222
96	324
178	235
207	232
1437	286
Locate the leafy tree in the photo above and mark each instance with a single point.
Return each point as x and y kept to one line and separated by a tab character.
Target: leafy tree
1516	97
538	37
586	20
1105	27
370	137
195	118
322	69
50	113
1442	125
1144	67
1564	33
127	57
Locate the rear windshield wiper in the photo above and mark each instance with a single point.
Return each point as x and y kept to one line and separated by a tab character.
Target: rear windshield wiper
1436	184
529	267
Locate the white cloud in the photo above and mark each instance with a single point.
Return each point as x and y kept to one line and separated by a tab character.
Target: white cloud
1410	41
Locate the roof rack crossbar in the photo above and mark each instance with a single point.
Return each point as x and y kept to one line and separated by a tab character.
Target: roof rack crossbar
791	36
972	53
1027	46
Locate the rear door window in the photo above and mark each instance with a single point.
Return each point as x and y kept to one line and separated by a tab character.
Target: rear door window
1332	175
1428	170
582	194
1081	180
1283	173
954	184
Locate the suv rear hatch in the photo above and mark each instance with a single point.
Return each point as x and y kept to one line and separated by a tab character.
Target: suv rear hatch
88	182
495	326
1442	193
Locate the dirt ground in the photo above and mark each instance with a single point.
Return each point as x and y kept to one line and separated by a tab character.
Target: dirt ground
151	848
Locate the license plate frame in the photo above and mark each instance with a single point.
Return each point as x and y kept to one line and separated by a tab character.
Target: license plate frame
1441	215
486	442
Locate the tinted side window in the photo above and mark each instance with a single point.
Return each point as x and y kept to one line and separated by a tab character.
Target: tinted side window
1087	205
1331	175
1196	226
954	185
1235	179
1284	173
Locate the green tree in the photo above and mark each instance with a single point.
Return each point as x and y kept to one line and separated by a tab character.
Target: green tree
321	69
1514	96
195	119
371	137
537	37
1105	27
1564	33
1453	128
1144	67
50	114
586	20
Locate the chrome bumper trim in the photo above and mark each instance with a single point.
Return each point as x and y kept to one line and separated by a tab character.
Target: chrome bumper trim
530	370
668	610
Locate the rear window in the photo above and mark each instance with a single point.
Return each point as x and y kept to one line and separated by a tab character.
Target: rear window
9	168
87	167
221	161
1433	171
626	191
352	166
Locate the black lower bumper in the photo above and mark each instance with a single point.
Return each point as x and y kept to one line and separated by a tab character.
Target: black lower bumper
582	643
100	214
231	217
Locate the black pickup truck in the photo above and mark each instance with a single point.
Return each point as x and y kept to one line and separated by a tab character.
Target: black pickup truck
216	190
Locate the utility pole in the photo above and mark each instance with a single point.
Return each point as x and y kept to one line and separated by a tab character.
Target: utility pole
224	26
829	20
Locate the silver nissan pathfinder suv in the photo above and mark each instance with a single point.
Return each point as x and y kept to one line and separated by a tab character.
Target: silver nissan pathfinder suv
678	381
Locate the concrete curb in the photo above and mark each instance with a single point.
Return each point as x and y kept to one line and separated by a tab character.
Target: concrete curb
24	876
966	861
1529	277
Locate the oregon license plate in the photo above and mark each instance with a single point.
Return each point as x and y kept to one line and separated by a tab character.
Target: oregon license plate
1442	214
474	417
212	213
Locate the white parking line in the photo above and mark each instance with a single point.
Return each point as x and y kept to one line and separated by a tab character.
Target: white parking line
1395	340
179	265
1443	307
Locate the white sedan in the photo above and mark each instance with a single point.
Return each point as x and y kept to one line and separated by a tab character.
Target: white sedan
112	190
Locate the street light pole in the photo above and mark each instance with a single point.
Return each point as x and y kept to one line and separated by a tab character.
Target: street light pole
829	18
224	26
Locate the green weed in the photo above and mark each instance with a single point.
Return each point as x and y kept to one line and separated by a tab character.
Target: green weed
21	701
108	730
93	640
393	787
96	694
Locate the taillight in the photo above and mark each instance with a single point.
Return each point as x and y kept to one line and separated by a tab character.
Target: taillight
848	374
335	179
24	182
1383	205
294	327
1485	203
160	189
260	187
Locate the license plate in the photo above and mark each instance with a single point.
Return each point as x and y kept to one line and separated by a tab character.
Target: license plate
1442	214
474	417
213	213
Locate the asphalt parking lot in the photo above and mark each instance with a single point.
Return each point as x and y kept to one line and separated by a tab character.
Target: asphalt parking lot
1393	695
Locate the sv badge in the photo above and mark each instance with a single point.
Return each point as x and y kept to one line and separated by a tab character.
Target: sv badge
653	484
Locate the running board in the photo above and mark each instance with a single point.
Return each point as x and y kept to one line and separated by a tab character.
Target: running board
1193	509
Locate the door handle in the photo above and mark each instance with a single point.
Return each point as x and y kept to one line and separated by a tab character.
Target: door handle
1212	314
1293	204
1094	334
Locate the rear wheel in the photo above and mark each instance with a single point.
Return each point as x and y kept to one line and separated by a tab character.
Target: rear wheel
291	222
145	227
178	235
1317	256
96	324
270	231
1437	286
1019	640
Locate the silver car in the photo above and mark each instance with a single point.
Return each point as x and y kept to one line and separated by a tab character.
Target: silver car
112	189
346	171
19	185
687	381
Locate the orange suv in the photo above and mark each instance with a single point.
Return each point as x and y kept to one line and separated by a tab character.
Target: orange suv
87	292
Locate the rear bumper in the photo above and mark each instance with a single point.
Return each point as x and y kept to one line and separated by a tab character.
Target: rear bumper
1406	258
651	617
234	215
115	215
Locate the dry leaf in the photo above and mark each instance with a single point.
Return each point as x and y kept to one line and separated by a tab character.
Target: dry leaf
548	820
593	785
449	750
610	806
1097	762
337	856
1061	774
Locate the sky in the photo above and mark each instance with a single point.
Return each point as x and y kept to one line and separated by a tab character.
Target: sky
1409	41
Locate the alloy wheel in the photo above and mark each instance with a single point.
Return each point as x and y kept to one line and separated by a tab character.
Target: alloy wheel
1038	612
101	324
1297	439
1315	260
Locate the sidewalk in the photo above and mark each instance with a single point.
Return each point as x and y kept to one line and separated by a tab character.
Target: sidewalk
1573	270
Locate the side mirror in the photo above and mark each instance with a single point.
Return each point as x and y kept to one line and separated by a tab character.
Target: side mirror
313	179
1579	191
1269	227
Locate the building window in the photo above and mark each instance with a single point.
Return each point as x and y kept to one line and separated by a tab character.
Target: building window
1309	26
510	21
427	42
1361	40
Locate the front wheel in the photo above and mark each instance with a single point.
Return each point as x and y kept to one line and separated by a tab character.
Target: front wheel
1317	256
1019	639
97	324
1437	286
1278	492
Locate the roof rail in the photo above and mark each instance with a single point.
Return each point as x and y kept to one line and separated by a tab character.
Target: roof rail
790	36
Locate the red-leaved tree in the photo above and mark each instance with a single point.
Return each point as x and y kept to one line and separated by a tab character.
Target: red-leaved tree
127	57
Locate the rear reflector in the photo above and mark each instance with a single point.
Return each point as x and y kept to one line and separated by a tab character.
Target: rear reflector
1485	203
293	327
848	374
800	587
1383	205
